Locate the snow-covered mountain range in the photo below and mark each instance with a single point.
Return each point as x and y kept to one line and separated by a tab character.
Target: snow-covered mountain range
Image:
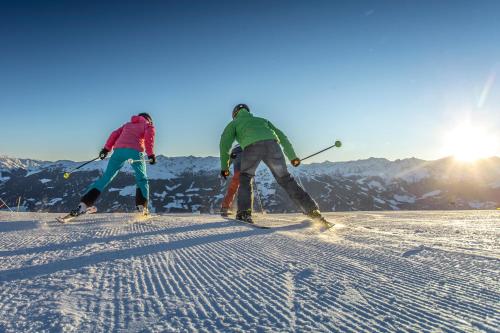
191	184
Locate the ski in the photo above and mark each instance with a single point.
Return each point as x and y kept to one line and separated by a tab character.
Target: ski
253	225
69	217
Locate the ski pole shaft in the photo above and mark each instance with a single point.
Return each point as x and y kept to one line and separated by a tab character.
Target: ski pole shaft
67	174
317	153
337	144
4	204
258	196
137	161
84	164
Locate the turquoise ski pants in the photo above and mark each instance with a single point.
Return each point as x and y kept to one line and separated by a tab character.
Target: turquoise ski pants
116	162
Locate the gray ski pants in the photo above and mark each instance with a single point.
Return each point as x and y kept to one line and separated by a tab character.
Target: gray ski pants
269	151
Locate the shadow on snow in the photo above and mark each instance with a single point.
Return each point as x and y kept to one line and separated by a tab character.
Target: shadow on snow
18	226
96	258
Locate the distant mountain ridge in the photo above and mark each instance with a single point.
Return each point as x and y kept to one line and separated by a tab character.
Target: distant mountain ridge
191	184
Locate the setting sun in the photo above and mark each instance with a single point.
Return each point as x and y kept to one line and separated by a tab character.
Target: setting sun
468	142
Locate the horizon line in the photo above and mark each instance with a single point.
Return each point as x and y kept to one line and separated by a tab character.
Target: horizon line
325	161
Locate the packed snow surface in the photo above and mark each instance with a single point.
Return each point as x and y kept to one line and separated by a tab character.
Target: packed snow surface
374	272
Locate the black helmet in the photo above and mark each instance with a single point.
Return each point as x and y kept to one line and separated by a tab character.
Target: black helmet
146	116
238	107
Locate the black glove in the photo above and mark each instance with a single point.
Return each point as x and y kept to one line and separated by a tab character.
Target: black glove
104	152
152	159
224	173
233	155
295	162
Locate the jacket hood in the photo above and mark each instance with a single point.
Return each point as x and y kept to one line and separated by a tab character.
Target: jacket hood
138	119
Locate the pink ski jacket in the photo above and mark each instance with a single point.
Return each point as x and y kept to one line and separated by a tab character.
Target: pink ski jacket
138	134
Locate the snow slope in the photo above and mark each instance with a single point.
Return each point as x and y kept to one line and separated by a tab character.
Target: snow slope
9	163
376	272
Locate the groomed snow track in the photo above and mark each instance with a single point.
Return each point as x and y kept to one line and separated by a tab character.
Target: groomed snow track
375	272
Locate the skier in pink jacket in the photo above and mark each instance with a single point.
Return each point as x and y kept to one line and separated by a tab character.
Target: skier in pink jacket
128	143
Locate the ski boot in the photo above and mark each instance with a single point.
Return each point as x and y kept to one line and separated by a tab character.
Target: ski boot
244	216
142	210
315	214
224	212
80	210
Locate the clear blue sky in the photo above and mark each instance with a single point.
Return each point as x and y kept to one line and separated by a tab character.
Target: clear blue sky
385	77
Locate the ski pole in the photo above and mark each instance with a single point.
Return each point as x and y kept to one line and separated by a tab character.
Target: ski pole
67	174
337	144
258	196
4	204
131	161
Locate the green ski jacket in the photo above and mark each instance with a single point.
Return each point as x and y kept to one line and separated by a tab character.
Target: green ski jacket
247	129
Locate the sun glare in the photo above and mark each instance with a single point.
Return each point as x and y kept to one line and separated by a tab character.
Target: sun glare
467	142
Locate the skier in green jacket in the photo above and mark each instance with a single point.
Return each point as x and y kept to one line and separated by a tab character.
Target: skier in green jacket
261	141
